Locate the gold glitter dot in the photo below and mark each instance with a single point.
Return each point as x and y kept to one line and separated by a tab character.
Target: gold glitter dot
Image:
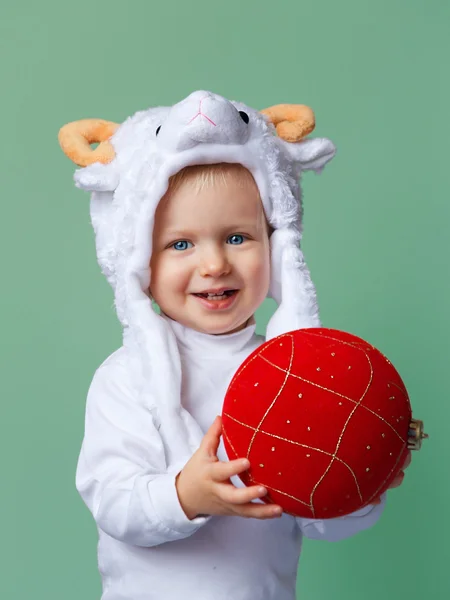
287	421
332	376
383	435
340	403
261	465
300	395
349	368
279	473
309	428
281	344
391	397
308	455
256	384
273	448
367	469
390	453
389	385
368	447
318	368
333	354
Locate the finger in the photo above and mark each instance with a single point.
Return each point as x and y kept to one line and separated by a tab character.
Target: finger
258	511
222	471
230	494
211	440
397	480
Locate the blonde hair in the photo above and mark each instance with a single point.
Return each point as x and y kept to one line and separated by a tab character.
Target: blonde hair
208	175
205	176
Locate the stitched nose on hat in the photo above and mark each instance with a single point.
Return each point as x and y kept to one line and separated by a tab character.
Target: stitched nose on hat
215	121
203	118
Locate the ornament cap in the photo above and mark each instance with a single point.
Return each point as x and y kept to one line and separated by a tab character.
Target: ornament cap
416	434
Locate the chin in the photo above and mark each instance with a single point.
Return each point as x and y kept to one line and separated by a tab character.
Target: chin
211	330
217	328
230	328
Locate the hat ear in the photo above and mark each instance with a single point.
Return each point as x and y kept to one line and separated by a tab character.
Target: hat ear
291	286
97	178
311	154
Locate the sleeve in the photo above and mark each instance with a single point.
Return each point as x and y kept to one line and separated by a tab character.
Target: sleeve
121	472
335	530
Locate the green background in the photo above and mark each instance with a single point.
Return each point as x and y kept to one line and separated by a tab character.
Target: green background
376	239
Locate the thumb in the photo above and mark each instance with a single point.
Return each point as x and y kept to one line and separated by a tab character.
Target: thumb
211	441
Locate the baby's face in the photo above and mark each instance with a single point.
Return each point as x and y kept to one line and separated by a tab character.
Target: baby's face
210	241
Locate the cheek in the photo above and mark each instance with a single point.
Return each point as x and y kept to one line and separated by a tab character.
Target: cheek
259	271
168	274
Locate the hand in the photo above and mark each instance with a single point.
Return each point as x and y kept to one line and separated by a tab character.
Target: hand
399	479
204	486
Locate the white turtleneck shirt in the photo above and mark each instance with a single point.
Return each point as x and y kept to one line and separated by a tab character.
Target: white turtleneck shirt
148	549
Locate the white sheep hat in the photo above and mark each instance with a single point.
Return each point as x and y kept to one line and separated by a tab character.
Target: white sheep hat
128	174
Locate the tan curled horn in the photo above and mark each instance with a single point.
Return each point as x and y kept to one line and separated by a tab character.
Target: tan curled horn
76	138
292	121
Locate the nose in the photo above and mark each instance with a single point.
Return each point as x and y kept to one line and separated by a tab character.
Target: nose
214	263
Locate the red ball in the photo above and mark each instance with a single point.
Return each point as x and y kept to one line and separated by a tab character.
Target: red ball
323	418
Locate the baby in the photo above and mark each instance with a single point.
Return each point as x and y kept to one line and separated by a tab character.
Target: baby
198	209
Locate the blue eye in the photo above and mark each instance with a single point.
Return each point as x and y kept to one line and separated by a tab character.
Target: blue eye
181	245
236	239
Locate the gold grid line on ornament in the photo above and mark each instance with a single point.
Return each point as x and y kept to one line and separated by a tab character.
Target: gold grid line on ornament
399	388
286	494
345	426
377	491
283	439
357	404
269	487
287	373
354	345
343	396
224	433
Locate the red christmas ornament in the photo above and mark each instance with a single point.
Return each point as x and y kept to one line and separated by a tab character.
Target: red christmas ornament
325	420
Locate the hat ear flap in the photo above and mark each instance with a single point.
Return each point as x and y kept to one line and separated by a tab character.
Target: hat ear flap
291	286
97	178
311	154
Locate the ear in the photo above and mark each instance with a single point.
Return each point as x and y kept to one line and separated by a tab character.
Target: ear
311	154
97	178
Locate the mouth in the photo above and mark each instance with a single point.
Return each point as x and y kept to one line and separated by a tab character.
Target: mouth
217	299
220	294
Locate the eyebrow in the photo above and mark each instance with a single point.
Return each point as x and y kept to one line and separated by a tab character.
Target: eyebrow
185	232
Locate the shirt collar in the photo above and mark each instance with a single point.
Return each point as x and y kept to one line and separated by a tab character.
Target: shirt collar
192	341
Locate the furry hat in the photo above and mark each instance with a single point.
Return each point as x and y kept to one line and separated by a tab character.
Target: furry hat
128	174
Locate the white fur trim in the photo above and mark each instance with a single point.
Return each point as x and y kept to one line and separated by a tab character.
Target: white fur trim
203	128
